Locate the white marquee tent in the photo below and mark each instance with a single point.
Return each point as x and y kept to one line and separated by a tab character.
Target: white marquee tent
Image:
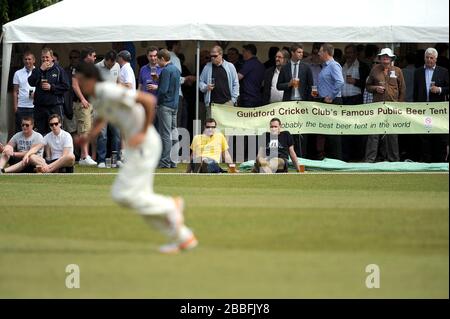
345	21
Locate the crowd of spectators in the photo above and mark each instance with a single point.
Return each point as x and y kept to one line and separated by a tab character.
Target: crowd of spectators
358	74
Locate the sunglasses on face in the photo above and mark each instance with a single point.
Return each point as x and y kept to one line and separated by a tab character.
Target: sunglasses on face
213	55
25	125
274	126
210	126
53	124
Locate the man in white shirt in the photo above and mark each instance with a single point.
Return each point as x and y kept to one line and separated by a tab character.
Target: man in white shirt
14	152
23	93
109	70
133	113
58	150
126	75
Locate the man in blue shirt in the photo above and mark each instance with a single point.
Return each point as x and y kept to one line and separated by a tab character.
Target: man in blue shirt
168	96
149	73
252	76
330	84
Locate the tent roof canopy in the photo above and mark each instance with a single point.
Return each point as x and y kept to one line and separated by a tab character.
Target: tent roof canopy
365	21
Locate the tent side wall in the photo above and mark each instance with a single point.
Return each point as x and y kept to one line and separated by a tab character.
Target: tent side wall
4	111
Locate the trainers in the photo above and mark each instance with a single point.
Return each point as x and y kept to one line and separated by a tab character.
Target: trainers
119	164
175	248
101	165
88	161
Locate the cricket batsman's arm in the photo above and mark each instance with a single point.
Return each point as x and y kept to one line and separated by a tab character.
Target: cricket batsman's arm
148	102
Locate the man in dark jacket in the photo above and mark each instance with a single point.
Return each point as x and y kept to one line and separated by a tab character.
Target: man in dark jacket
431	85
270	92
51	83
296	80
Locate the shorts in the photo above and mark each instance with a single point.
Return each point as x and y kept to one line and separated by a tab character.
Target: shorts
83	117
70	125
68	169
281	163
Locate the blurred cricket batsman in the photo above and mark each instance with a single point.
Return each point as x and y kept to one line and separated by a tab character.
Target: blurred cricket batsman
133	113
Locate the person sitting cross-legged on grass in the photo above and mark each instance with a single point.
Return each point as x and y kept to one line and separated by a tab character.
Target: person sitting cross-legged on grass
208	149
275	148
58	150
14	152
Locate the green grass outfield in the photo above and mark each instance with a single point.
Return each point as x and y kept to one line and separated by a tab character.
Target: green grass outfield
261	236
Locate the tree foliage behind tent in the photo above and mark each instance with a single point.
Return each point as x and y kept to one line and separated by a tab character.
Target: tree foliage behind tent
14	9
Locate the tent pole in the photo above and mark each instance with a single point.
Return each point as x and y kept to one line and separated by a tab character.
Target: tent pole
4	109
197	126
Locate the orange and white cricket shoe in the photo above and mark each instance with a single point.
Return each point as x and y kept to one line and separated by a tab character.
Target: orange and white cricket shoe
174	248
186	239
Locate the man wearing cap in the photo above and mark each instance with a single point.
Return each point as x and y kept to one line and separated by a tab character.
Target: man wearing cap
431	85
386	83
126	75
252	76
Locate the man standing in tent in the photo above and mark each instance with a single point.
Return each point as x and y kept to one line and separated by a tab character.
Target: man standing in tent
51	83
386	83
133	113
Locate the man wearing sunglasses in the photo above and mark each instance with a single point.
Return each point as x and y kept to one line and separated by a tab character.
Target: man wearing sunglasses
208	149
276	147
219	80
58	150
14	152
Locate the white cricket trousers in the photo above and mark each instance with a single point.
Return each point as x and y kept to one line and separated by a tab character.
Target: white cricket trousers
133	186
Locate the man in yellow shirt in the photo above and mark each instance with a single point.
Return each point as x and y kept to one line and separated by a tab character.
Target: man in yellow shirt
208	149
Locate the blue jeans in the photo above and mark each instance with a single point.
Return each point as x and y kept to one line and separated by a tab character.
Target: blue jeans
167	129
207	165
102	140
